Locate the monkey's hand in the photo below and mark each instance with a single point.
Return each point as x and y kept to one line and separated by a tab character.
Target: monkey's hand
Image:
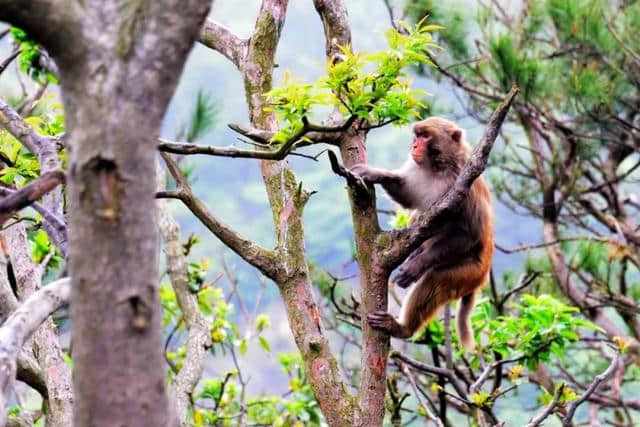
365	172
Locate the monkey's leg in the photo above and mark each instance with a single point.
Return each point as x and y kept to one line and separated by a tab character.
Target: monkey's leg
420	305
465	282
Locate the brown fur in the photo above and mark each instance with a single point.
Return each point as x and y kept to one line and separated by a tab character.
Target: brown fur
455	263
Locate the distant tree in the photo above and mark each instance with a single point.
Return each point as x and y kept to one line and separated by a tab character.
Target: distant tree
117	66
570	162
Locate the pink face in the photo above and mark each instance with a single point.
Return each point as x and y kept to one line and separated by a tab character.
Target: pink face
419	147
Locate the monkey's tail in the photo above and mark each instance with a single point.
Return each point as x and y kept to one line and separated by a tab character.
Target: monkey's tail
465	332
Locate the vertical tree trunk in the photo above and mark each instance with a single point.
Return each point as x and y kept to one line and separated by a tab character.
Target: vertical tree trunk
116	84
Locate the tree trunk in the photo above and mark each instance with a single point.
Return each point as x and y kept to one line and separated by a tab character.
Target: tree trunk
116	83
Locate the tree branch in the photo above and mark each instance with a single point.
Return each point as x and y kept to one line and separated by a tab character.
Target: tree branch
16	200
423	367
416	392
279	154
199	338
21	325
54	226
567	421
403	242
28	370
23	132
222	39
46	344
261	258
539	419
328	135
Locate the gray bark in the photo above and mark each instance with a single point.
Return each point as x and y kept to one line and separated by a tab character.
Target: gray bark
119	64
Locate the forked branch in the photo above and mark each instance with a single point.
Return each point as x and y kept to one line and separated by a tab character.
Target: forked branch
261	258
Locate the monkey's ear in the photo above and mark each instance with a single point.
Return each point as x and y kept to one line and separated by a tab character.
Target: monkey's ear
457	135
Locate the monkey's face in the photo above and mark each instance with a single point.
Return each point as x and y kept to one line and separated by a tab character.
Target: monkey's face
420	146
437	143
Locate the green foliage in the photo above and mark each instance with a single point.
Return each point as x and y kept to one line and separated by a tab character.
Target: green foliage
400	219
221	399
543	327
202	120
41	248
29	59
455	26
23	166
373	87
298	408
511	65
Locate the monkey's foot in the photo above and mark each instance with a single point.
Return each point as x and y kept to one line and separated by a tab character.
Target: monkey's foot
384	321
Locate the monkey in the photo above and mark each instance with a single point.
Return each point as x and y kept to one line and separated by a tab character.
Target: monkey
453	264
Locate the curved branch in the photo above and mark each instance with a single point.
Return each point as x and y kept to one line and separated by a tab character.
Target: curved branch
222	39
21	130
21	325
261	258
548	410
403	242
590	390
54	226
423	367
279	154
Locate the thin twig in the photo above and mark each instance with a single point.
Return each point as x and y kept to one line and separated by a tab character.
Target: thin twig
590	390
416	393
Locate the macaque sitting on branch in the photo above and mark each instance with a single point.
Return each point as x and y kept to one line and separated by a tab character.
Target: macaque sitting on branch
455	262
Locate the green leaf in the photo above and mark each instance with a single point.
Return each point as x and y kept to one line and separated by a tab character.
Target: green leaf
264	344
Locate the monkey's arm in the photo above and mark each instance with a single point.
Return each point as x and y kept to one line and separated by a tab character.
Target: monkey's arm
393	183
375	175
453	247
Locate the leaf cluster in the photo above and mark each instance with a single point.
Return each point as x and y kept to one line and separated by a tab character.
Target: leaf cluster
543	326
373	87
29	58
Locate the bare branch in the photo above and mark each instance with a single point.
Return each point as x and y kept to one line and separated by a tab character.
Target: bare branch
4	64
261	258
590	390
352	180
199	338
539	419
406	240
23	132
278	154
416	392
46	343
522	248
220	38
54	226
317	133
21	325
25	196
447	373
28	371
